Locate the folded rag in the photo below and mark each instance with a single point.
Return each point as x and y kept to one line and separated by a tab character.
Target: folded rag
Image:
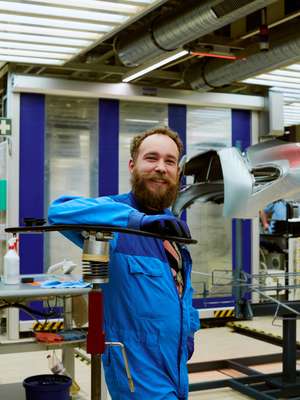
72	334
65	284
48	337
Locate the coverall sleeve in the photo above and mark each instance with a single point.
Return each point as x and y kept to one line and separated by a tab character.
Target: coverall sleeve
269	208
195	321
92	211
194	326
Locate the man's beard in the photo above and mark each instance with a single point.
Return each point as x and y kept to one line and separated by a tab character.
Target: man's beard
162	198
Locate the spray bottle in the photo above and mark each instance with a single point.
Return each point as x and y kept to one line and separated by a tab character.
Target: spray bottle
11	267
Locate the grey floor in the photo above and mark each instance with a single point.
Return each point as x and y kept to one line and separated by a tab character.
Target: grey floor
211	344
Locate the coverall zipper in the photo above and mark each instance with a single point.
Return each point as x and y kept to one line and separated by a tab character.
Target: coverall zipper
181	309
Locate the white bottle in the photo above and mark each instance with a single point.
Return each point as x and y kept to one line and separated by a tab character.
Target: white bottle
11	267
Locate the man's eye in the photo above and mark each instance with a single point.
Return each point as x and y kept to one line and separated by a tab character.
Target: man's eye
170	162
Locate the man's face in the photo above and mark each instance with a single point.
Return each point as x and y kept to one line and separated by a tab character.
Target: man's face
155	172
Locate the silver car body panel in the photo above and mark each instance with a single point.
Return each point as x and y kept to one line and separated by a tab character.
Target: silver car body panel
245	182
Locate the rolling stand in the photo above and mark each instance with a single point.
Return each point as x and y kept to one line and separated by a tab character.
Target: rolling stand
95	260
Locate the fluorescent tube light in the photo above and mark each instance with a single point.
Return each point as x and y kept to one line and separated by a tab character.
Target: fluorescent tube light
288	91
265	82
44	39
281	78
31	9
38	47
144	69
94	5
31	60
38	30
283	72
30	53
294	67
57	23
67	28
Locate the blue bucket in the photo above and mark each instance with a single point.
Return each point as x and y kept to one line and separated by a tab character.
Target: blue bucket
47	387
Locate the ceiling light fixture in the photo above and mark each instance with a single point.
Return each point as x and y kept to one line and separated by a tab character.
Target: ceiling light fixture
48	31
57	23
159	62
61	12
100	5
31	60
267	82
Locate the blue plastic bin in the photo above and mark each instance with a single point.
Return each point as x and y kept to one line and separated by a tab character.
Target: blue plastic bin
47	387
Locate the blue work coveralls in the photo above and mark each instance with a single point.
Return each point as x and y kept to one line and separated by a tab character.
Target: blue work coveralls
142	308
278	211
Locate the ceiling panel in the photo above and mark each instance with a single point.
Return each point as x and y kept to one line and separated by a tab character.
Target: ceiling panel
67	27
287	81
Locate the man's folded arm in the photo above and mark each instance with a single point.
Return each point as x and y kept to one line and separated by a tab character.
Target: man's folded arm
91	211
106	211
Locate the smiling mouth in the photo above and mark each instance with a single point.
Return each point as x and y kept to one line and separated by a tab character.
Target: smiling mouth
160	181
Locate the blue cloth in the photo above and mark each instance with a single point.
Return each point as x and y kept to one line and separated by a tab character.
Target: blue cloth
142	308
278	211
72	334
51	283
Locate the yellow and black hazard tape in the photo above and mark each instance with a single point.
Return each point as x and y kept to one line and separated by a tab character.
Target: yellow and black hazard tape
260	334
82	356
229	312
53	326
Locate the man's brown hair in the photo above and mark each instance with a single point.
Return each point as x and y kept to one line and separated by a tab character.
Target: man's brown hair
137	140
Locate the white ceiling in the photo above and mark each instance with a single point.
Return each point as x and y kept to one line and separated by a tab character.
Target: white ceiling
52	32
287	81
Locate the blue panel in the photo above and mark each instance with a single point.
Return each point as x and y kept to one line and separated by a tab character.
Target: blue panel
108	147
247	256
241	138
212	302
241	128
31	196
177	122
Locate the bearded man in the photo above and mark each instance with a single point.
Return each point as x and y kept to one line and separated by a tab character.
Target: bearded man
148	300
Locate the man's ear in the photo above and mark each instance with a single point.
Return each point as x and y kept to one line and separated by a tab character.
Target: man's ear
130	165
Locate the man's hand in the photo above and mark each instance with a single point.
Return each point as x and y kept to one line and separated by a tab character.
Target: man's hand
165	224
266	226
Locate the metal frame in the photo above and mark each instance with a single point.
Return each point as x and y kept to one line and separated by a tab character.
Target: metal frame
12	216
256	385
128	92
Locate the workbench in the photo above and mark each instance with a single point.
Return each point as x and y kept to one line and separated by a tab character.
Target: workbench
24	292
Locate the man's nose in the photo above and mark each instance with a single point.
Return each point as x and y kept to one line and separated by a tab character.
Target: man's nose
160	166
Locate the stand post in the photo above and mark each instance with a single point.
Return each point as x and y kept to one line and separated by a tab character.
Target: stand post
289	360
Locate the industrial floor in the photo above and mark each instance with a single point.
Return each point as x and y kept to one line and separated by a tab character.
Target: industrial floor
211	344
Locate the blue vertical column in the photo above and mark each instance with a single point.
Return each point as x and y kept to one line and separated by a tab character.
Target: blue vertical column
241	230
108	147
177	122
31	175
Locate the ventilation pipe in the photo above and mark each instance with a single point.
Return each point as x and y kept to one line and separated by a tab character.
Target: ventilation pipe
170	33
216	76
